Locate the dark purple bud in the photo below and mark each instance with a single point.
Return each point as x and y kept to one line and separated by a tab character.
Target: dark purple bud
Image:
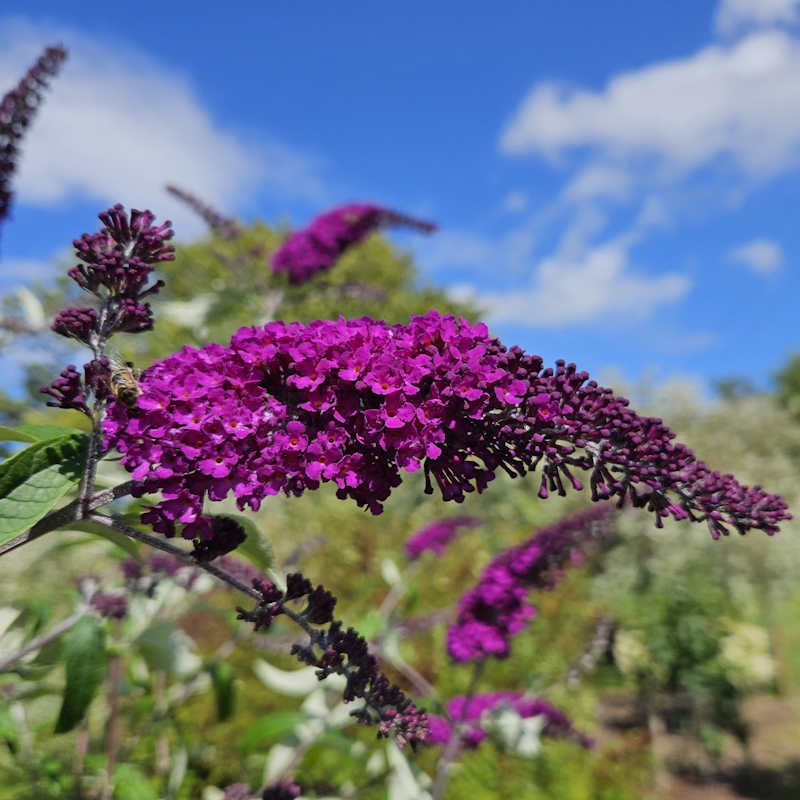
67	391
281	790
225	534
77	323
110	605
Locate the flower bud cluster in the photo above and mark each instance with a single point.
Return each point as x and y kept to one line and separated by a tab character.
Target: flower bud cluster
497	608
466	713
335	651
115	266
437	536
116	263
318	246
288	406
17	110
224	227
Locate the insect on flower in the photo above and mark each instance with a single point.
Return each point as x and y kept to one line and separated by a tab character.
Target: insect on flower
124	382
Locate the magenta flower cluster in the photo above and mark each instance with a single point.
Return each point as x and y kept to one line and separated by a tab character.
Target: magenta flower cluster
318	246
436	536
17	110
288	406
497	608
465	714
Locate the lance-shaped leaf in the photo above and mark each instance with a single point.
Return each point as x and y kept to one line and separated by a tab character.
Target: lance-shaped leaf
85	660
33	433
33	480
223	680
256	548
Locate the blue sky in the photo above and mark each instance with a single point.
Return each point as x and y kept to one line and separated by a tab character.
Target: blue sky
616	182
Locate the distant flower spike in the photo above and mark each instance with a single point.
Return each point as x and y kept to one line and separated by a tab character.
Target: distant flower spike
288	406
318	246
17	110
437	536
469	713
497	608
224	227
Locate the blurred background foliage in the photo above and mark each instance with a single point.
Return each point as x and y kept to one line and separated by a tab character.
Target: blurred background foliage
677	598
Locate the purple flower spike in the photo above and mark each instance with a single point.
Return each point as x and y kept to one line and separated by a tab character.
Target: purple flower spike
437	536
17	110
224	227
336	651
466	712
356	402
318	246
497	608
118	260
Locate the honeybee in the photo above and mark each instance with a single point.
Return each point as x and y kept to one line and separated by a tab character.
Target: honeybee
124	382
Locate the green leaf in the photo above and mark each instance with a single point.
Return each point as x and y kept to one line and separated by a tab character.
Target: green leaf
276	724
164	646
372	623
256	548
130	783
85	661
33	480
223	680
34	433
8	730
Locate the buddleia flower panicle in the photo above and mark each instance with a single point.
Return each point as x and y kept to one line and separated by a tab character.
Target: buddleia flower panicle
318	246
468	714
288	406
224	227
437	535
115	266
497	608
17	110
335	650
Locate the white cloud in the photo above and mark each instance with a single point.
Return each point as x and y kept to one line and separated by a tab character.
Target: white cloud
734	15
759	255
737	102
598	283
598	180
116	126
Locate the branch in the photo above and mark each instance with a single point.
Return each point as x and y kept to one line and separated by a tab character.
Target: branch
71	512
40	641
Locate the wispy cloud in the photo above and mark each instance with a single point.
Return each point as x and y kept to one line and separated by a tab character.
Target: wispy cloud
761	256
734	15
117	125
737	103
591	284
